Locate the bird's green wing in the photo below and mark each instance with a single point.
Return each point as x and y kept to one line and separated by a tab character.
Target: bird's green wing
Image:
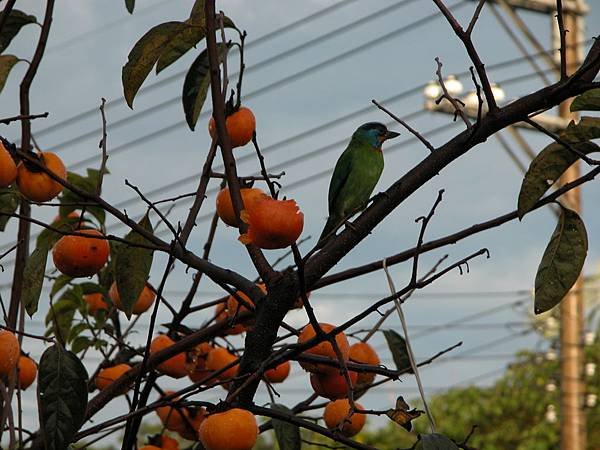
340	175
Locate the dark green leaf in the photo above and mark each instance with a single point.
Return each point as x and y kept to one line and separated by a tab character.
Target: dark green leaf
545	170
588	101
397	346
195	87
69	199
59	318
88	287
14	22
435	441
562	261
62	393
287	434
130	5
144	54
80	343
9	202
197	14
132	267
180	44
76	330
7	62
35	267
587	129
59	283
48	237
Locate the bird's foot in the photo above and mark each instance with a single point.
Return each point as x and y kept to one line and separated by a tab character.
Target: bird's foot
351	226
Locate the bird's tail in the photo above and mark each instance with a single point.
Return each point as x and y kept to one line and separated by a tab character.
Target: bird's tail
332	224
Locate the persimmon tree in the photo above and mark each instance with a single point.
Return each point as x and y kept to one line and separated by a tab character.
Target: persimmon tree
96	284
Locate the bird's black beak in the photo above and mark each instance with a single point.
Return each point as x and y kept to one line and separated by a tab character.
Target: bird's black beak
390	135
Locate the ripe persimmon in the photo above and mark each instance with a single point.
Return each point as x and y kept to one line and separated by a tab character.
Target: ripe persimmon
8	167
221	314
177	366
150	447
279	373
81	256
332	385
168	443
235	429
250	198
27	369
9	352
323	349
363	353
272	224
172	418
106	376
337	411
218	358
194	418
142	304
200	354
95	302
38	186
240	127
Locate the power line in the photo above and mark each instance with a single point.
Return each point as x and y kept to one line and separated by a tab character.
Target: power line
260	91
265	38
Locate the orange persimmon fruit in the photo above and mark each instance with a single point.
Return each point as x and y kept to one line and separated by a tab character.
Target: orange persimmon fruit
279	373
250	198
337	411
332	385
108	375
363	353
37	185
240	127
235	429
272	224
81	256
8	167
9	352
323	349
142	304
176	366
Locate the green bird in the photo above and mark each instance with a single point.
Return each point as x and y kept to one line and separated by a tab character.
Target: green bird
356	173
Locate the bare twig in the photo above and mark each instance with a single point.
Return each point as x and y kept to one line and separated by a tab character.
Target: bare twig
418	135
8	120
563	40
475	17
103	147
455	102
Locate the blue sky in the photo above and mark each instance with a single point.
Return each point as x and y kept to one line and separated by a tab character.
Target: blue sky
89	44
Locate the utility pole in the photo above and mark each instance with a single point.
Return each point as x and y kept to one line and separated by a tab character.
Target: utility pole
573	429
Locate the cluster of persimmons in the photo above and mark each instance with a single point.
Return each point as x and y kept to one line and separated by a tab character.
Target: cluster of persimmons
272	224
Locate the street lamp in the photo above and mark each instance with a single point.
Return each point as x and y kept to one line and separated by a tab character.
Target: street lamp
432	90
453	86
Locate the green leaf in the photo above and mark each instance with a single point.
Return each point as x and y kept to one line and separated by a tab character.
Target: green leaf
69	199
435	441
80	344
14	22
588	101
132	267
287	434
180	44
197	13
195	86
59	318
545	170
562	261
50	237
9	202
35	267
59	283
397	346
7	62
587	129
62	394
144	54
130	5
